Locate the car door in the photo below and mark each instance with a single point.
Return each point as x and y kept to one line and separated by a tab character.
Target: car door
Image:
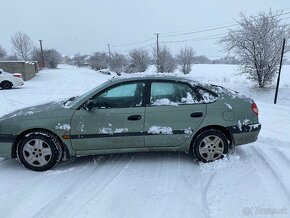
173	114
115	122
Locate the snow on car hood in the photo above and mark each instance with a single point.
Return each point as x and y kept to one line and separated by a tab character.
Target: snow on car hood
48	110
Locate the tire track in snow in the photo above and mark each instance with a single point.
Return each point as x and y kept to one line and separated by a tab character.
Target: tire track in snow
282	156
81	190
39	182
269	176
109	180
73	189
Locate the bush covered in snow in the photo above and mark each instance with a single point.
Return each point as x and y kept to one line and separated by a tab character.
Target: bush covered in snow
258	43
139	60
164	60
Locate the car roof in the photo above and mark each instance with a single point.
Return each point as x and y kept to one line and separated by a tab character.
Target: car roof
155	76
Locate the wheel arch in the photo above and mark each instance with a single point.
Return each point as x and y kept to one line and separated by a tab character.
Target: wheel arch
6	81
19	137
223	129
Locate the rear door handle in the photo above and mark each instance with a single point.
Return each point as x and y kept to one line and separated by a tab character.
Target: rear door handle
134	117
196	114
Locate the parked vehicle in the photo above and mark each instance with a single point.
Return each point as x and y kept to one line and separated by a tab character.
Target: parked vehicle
8	80
139	114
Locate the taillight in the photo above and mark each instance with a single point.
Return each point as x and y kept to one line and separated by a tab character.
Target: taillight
17	75
255	108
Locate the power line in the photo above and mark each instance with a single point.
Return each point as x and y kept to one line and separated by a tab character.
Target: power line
196	29
200	31
132	44
125	51
197	39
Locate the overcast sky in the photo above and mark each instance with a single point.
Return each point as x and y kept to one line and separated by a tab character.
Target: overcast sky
86	26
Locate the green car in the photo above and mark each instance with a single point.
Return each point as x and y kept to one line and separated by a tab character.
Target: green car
136	114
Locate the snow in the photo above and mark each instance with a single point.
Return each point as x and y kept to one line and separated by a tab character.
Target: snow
164	101
64	126
121	130
228	106
248	183
106	130
160	130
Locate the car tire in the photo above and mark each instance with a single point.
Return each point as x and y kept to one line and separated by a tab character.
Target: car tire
6	85
39	151
210	145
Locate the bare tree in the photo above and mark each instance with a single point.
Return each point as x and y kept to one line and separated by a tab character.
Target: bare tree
139	60
99	60
2	52
185	59
22	45
51	57
163	60
117	62
258	43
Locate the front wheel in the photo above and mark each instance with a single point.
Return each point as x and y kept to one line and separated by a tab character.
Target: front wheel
210	145
39	151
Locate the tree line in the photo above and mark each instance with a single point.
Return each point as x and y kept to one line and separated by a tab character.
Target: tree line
139	59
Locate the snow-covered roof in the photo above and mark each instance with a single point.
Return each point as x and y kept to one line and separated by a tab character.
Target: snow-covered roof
154	75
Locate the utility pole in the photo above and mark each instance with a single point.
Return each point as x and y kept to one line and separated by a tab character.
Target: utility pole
109	49
278	79
157	50
42	55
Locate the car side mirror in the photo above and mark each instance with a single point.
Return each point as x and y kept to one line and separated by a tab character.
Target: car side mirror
89	105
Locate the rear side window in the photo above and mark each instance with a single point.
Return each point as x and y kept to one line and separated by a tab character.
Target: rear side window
206	95
172	93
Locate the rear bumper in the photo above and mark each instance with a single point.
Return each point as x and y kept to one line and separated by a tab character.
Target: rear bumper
245	134
18	83
6	142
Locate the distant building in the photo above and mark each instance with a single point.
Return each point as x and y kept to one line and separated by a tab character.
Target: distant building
26	68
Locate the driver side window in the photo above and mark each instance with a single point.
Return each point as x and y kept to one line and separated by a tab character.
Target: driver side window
121	96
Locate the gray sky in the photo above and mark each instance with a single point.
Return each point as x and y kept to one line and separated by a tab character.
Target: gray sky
85	26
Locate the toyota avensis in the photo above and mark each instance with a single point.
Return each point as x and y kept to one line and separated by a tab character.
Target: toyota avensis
137	114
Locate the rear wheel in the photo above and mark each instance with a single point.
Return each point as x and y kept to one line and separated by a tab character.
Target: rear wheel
39	151
6	85
210	145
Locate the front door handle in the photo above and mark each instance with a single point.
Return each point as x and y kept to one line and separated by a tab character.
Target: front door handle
196	114
134	117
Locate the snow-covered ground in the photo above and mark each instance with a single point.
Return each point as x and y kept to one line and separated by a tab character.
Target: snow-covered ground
254	182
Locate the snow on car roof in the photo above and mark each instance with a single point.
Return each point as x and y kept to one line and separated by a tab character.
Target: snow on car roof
144	76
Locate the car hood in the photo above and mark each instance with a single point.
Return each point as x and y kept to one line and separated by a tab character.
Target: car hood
44	111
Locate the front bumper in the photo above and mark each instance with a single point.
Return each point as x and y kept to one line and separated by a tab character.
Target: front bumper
6	142
245	134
